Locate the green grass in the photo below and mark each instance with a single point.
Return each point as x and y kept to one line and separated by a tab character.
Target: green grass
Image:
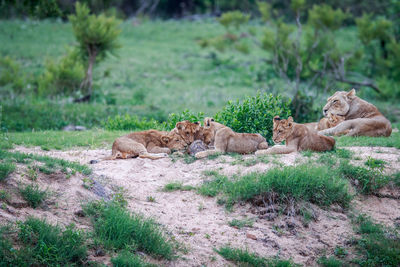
392	141
118	229
127	259
241	223
65	140
375	163
177	186
42	244
4	195
246	258
6	168
33	195
330	262
301	183
50	163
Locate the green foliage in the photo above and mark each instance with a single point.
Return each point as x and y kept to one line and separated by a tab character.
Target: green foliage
49	245
323	17
254	114
47	9
241	223
233	19
185	115
375	163
117	229
131	123
392	141
330	262
11	74
214	186
127	259
175	186
33	195
246	258
62	78
378	245
95	34
6	168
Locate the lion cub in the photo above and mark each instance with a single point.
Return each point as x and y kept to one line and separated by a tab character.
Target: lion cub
226	140
298	137
325	122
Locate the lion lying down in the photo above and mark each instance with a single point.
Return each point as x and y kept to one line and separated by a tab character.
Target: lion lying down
226	140
325	123
151	144
298	137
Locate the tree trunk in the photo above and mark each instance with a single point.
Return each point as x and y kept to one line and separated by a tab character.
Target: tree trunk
86	85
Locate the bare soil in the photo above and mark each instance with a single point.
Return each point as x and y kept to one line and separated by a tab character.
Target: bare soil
198	222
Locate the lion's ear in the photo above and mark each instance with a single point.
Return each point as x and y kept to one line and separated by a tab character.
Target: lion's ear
179	125
351	93
290	121
212	119
276	118
165	139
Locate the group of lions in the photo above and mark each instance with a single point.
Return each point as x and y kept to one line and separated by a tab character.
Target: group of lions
345	114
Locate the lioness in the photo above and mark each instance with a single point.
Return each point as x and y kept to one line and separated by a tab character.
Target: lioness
150	144
325	122
226	140
361	117
298	137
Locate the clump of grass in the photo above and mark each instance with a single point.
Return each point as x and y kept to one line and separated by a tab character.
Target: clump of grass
214	156
127	259
214	186
307	153
116	228
330	262
245	258
343	153
301	183
189	159
396	179
177	186
33	195
4	195
375	163
6	168
378	245
367	181
241	223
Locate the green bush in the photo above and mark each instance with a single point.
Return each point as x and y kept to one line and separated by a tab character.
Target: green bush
11	74
33	195
131	123
118	229
254	114
62	78
185	115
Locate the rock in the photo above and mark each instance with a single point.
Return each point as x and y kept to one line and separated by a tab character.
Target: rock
251	236
93	161
79	213
196	146
71	127
99	252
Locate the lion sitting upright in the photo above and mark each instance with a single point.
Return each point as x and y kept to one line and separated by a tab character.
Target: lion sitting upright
226	140
150	144
298	137
361	117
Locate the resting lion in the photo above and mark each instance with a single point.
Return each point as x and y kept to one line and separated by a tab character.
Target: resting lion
226	140
298	137
188	130
151	144
361	117
325	122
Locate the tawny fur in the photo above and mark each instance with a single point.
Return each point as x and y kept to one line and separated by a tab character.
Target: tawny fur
226	140
188	130
298	138
325	122
361	118
150	144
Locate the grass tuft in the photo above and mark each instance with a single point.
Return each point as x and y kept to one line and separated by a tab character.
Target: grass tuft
116	228
33	195
6	168
175	186
241	223
127	259
375	163
245	258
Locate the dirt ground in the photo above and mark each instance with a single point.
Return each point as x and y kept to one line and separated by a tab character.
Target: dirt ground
198	222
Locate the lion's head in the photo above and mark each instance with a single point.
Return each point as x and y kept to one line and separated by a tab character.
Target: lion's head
174	141
207	122
339	103
208	135
187	130
282	129
335	119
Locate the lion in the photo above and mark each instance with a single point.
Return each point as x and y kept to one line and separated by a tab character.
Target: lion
188	130
226	140
325	123
361	118
298	137
212	126
150	144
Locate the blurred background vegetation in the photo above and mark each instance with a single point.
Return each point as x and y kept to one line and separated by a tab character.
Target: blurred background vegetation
132	65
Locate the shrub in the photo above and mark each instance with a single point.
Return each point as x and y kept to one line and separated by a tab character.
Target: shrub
118	229
127	259
245	258
6	168
62	78
330	262
254	114
132	123
10	74
33	195
49	245
185	115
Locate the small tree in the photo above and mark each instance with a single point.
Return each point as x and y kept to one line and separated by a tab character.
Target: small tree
97	36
